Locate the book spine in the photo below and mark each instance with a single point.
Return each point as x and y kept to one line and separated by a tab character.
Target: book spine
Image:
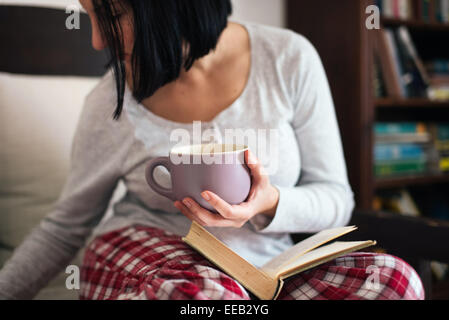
425	10
390	152
379	4
398	70
438	11
396	9
383	128
417	13
400	167
443	131
444	163
438	93
432	10
404	35
416	79
385	53
387	8
402	9
442	145
445	11
378	80
405	9
438	66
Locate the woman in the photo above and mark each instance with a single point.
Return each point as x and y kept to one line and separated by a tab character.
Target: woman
175	62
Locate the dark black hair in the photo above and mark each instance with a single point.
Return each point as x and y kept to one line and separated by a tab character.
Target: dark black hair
161	28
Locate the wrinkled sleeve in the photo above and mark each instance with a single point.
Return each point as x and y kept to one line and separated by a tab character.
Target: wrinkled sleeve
323	197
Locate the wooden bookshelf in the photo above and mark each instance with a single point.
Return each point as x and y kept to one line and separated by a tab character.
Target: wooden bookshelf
410	103
338	31
416	24
346	48
415	180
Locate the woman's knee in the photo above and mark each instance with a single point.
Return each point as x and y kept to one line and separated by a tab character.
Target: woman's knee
389	276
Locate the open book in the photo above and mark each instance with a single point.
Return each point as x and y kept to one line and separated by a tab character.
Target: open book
266	283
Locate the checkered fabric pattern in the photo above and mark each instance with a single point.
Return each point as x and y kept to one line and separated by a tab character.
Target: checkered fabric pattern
145	263
357	276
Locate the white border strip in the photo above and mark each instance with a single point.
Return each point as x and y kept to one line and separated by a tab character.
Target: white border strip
57	4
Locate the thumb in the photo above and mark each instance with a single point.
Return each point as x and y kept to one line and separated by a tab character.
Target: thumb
257	170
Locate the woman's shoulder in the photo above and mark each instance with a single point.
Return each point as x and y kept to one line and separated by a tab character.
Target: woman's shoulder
103	93
288	55
97	116
100	103
281	43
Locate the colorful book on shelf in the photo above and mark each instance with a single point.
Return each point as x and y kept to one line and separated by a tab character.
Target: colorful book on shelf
404	73
439	80
386	7
398	151
266	282
440	135
425	10
400	167
389	133
404	138
442	131
380	90
384	53
440	139
386	128
439	93
399	76
433	10
397	9
414	77
442	145
442	11
418	82
398	201
437	66
444	162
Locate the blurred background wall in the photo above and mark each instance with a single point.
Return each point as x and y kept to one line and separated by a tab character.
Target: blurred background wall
271	12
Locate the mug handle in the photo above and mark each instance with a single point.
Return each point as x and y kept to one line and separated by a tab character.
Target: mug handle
149	174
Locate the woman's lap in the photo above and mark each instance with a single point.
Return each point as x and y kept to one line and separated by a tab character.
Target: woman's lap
356	276
145	263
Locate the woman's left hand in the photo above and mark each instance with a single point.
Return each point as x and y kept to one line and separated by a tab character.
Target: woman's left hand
263	199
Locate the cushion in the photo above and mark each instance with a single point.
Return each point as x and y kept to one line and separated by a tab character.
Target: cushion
38	117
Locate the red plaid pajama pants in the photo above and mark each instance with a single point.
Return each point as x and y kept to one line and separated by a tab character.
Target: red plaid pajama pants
145	263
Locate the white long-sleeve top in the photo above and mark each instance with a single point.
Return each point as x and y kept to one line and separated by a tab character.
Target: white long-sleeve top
287	101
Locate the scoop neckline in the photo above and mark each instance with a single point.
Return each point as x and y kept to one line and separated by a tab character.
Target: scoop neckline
144	112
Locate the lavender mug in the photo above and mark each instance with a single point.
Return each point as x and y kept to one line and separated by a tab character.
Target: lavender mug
218	168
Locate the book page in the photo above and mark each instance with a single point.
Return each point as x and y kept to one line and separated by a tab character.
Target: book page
321	255
313	242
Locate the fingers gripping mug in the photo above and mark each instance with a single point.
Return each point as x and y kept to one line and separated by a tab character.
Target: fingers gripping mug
218	168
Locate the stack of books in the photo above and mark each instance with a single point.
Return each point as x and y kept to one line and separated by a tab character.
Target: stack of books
399	68
434	10
398	201
397	9
401	149
441	138
424	10
438	71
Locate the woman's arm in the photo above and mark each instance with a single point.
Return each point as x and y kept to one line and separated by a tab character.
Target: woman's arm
55	241
323	198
